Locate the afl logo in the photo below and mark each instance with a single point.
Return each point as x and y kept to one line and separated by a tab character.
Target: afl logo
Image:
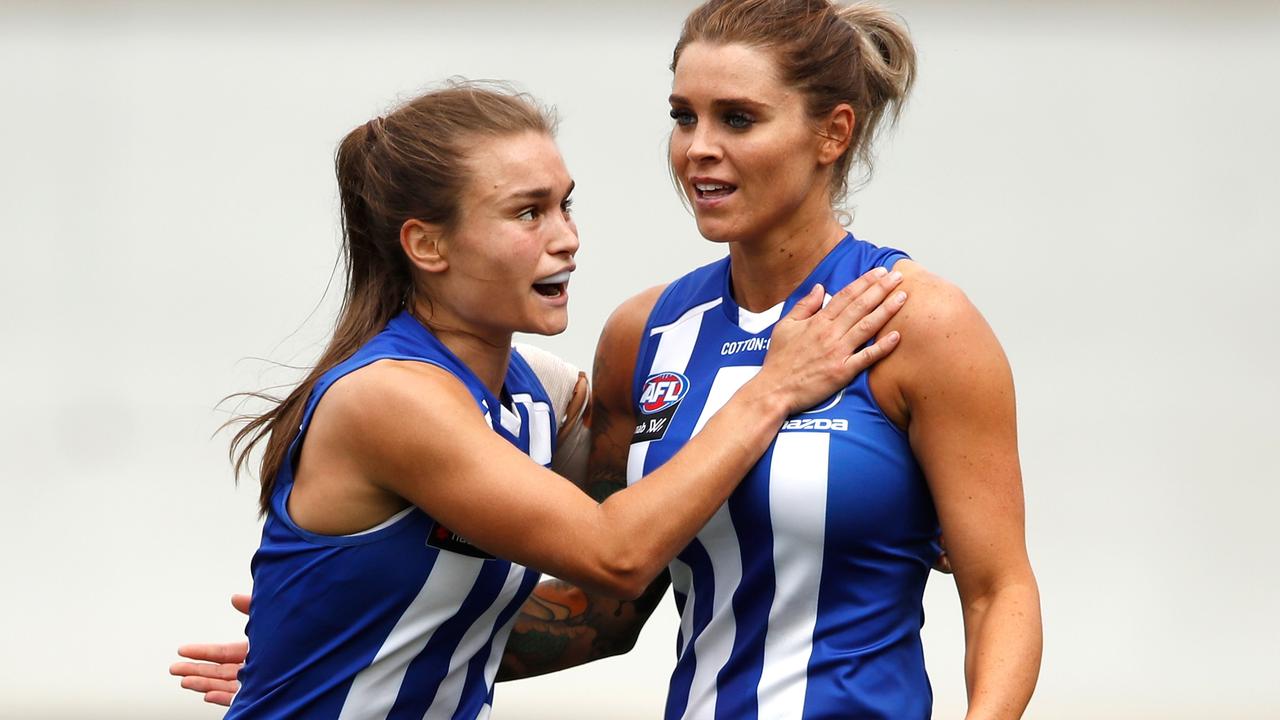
661	391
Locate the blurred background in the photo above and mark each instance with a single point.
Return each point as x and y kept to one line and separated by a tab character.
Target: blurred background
1100	177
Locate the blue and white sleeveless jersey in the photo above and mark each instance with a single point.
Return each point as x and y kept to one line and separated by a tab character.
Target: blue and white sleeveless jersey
801	598
405	620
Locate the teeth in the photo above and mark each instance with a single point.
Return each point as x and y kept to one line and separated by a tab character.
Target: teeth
711	187
560	277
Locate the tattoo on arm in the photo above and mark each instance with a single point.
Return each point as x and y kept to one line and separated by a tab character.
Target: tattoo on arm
561	626
608	459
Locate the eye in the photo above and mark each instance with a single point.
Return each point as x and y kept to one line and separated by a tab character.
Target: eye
528	214
683	117
566	207
738	120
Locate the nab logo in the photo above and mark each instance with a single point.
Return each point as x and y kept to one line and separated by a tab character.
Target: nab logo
445	539
661	391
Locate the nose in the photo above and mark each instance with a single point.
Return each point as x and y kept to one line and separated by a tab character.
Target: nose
703	146
564	237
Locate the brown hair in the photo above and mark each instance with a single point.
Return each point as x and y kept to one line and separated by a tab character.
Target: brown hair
410	164
860	54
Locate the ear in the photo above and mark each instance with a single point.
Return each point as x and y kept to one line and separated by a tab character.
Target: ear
424	245
835	133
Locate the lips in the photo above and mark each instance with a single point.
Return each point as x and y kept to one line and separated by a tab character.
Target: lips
712	189
553	285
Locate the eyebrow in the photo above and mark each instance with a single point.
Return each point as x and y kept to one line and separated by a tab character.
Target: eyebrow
720	103
539	193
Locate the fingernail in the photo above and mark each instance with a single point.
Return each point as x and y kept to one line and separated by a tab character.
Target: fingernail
817	288
892	337
900	298
879	272
896	276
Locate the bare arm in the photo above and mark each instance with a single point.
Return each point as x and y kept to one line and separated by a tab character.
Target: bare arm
958	393
413	430
562	625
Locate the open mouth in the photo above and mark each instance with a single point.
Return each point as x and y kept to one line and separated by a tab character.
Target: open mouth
553	286
713	191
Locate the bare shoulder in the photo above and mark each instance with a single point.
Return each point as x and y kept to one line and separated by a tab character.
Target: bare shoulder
366	428
388	392
946	343
627	321
936	309
619	345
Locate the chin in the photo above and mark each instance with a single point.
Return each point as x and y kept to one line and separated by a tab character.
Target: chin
549	326
717	231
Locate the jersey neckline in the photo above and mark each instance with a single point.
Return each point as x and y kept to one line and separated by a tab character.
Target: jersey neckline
760	323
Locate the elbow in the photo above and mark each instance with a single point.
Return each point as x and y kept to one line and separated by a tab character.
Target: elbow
621	570
623	578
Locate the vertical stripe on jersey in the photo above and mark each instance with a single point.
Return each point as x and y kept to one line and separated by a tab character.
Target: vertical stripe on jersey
714	643
429	671
540	427
728	381
797	500
375	689
682	585
487	668
698	606
445	703
675	347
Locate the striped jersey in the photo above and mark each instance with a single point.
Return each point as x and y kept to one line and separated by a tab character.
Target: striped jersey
403	620
801	599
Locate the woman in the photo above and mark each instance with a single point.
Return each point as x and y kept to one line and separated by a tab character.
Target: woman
774	102
802	596
402	510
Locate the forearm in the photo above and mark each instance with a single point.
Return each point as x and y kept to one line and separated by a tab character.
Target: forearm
658	516
562	626
1002	650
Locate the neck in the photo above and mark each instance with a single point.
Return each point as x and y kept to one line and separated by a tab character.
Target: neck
486	355
765	270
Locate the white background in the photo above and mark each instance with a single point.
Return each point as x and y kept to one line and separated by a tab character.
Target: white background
1101	177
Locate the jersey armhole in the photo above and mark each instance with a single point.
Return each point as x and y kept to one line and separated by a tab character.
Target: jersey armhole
285	478
646	339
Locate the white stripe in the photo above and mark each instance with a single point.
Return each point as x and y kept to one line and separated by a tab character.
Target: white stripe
673	353
635	461
510	420
448	695
798	510
495	655
714	644
728	381
374	690
697	310
539	427
676	347
682	582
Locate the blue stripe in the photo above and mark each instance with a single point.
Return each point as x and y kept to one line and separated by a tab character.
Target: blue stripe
738	679
428	670
475	683
699	562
